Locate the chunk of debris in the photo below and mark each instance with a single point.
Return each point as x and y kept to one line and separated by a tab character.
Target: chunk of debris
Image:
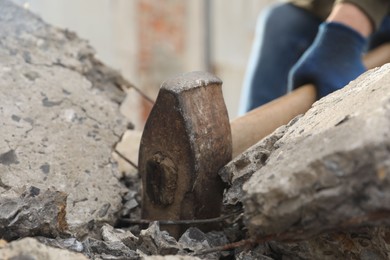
153	241
95	248
111	234
33	213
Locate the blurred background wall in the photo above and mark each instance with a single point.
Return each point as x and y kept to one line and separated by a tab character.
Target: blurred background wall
149	41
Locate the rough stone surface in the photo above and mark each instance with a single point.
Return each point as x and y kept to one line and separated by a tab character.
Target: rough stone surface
58	121
29	248
118	235
238	171
332	166
153	241
33	213
327	170
116	244
98	249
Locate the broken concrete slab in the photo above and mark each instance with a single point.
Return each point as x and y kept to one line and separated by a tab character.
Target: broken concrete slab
58	122
41	44
29	248
331	167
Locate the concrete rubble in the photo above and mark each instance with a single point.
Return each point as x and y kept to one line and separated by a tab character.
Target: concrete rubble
326	171
34	213
122	244
314	189
58	124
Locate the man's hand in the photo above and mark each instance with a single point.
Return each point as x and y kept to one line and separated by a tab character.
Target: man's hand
335	57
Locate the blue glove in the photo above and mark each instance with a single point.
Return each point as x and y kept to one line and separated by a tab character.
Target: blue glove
382	35
332	61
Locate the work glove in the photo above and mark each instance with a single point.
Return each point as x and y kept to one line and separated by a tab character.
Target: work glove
382	35
332	61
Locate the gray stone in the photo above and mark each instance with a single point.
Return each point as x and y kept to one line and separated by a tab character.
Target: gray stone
33	213
31	249
217	238
111	234
330	169
71	244
94	248
59	121
130	203
195	241
111	247
153	241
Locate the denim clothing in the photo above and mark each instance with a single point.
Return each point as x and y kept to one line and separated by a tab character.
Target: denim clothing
283	33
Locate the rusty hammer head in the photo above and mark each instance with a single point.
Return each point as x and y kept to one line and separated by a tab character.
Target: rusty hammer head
186	140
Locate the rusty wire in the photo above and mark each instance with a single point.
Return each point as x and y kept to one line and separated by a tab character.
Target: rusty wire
180	222
126	159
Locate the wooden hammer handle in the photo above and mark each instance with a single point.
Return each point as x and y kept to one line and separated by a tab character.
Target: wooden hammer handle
260	122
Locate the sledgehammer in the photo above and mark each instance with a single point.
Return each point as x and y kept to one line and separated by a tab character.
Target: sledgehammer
188	138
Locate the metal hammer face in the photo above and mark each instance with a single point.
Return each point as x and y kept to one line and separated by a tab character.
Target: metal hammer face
186	140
